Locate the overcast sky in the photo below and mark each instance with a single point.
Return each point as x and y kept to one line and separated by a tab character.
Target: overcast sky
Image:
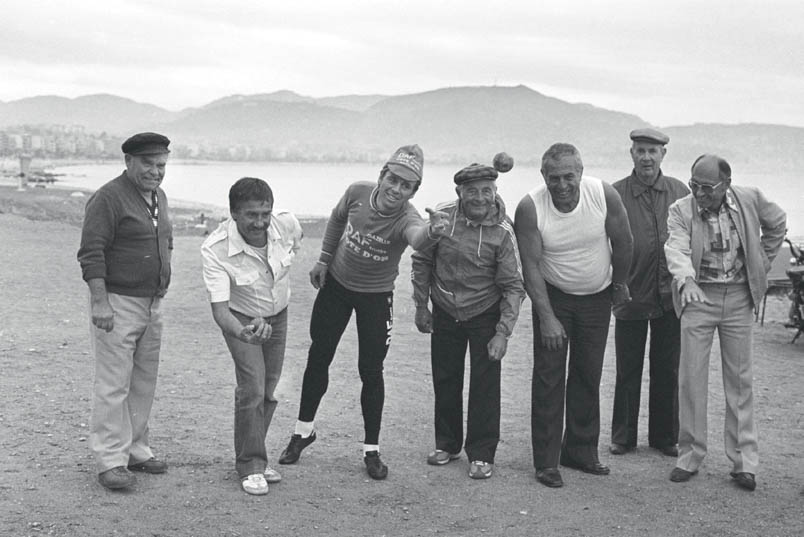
674	62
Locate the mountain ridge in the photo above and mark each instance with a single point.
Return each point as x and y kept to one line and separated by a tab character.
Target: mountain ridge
455	124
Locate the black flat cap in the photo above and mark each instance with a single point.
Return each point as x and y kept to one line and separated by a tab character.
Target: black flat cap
651	136
475	172
146	143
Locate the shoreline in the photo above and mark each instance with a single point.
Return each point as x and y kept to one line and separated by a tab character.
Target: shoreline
66	205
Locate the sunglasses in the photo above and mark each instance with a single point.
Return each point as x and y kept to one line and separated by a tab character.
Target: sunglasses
706	189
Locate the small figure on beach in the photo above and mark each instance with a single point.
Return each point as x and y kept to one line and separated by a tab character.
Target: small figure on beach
126	244
647	194
473	277
246	264
576	246
723	240
368	230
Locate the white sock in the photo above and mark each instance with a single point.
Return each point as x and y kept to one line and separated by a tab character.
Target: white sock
303	428
370	447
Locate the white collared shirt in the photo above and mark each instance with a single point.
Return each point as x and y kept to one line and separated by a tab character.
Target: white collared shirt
235	272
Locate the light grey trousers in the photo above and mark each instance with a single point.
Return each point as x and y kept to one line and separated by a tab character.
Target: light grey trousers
731	313
126	365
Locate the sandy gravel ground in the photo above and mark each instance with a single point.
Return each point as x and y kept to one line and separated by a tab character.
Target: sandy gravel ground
48	484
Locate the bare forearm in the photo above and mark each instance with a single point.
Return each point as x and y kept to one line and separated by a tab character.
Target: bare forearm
97	290
536	288
227	322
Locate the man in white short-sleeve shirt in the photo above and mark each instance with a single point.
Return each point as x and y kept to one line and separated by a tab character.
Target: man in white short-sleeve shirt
246	264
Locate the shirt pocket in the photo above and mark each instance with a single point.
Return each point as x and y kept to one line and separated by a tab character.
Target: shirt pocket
246	278
284	265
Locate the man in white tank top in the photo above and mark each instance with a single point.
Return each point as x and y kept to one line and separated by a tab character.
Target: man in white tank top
576	245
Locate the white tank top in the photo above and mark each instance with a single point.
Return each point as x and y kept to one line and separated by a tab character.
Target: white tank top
576	255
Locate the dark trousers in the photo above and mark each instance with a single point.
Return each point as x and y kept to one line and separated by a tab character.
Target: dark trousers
331	312
665	345
257	370
586	321
448	351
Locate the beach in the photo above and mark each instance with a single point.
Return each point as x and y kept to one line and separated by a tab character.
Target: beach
49	483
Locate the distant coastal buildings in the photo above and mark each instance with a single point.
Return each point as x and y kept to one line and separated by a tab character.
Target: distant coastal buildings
57	141
74	142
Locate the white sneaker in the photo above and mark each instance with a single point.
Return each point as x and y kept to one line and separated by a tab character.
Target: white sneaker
271	475
255	484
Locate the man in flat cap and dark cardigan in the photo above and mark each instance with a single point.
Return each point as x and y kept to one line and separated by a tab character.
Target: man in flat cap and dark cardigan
126	244
647	194
474	279
369	228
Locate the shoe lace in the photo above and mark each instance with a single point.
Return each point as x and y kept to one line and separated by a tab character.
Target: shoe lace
256	479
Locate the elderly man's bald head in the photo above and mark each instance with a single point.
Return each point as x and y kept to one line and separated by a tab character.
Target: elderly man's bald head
711	178
711	167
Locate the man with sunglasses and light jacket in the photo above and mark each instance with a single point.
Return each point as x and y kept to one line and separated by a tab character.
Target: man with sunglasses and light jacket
722	242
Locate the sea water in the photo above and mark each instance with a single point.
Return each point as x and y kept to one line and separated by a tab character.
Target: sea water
312	189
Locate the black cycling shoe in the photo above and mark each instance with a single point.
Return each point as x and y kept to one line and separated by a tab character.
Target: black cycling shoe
295	447
374	466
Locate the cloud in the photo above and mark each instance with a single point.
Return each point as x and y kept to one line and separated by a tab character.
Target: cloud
684	60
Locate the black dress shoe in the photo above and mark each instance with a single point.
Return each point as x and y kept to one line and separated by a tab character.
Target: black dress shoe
680	475
292	453
619	449
745	480
151	466
670	450
117	478
549	477
374	465
594	467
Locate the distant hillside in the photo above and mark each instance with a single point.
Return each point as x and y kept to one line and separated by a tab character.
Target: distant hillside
454	125
476	122
751	145
97	113
451	124
284	126
356	103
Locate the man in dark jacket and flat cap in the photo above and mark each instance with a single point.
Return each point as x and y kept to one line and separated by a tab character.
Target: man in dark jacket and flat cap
126	242
473	277
647	193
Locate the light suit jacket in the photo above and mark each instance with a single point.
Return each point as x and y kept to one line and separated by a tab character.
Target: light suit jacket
760	223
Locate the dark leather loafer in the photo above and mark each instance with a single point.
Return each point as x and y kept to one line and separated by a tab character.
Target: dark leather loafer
549	477
117	478
151	466
619	449
744	479
594	468
670	450
680	475
292	453
374	465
